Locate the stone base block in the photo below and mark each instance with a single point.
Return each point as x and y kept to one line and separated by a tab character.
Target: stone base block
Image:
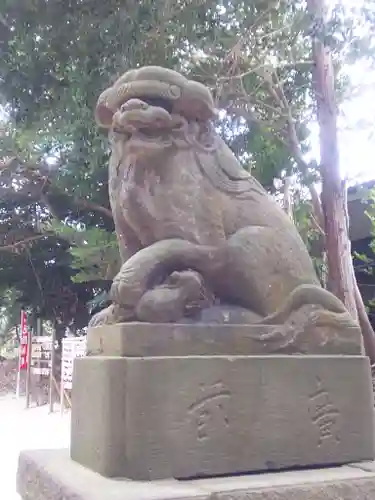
184	417
51	475
144	339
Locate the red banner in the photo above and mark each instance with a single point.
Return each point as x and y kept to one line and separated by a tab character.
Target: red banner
24	342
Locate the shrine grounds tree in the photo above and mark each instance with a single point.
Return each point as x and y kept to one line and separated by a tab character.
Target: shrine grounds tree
341	278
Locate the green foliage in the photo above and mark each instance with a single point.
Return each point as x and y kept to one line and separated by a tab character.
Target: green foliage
10	313
371	214
56	56
366	258
94	251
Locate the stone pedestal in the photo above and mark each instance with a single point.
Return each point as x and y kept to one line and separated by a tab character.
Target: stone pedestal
145	416
52	475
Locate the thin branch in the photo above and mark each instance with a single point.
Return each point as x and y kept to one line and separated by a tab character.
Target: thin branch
25	242
277	92
35	274
316	224
288	205
255	69
52	211
4	22
95	207
39	182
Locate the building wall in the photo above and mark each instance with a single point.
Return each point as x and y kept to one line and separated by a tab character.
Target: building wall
365	273
360	233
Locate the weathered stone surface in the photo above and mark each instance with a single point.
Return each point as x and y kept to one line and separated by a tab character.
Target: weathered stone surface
197	233
51	475
159	417
142	339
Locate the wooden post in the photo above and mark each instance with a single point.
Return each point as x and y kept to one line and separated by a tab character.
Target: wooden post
62	388
28	370
18	386
51	373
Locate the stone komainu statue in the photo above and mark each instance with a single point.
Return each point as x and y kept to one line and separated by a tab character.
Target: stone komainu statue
200	239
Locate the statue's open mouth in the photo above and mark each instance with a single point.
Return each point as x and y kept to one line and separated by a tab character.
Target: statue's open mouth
148	117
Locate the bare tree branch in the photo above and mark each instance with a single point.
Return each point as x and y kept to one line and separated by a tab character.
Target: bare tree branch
95	207
256	69
38	184
287	199
277	92
24	242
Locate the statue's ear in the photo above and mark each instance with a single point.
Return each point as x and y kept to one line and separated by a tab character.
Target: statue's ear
196	102
103	116
103	113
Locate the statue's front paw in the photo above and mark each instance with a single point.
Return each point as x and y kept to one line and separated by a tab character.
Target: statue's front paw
103	317
111	315
182	294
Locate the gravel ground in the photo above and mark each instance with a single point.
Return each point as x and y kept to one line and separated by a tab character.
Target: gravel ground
22	429
8	377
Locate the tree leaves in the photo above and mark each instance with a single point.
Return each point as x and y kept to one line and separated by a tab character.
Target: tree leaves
56	56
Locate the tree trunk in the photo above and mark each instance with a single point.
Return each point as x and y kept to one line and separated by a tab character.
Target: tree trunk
341	277
340	266
288	204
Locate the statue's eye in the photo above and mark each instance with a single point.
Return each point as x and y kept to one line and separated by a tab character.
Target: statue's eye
159	102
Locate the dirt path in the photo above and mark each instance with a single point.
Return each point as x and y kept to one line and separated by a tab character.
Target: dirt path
22	429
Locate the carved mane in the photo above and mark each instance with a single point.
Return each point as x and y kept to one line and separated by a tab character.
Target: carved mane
213	157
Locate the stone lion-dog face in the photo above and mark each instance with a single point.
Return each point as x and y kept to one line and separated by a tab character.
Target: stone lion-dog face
150	104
